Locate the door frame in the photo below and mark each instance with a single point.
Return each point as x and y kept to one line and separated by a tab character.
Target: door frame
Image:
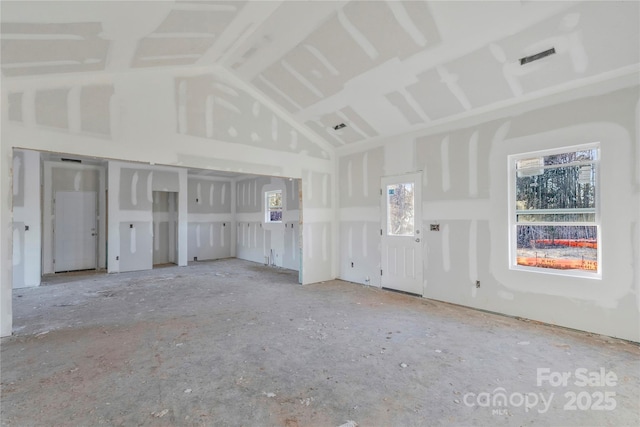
172	229
415	285
48	214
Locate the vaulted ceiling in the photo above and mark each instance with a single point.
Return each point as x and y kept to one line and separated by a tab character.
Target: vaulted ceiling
380	67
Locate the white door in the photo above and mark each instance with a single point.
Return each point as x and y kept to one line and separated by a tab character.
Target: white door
75	231
401	233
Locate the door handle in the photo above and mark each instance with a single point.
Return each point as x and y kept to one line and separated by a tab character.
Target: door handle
418	240
94	234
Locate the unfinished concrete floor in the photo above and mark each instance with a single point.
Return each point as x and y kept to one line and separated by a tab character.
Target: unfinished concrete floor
233	343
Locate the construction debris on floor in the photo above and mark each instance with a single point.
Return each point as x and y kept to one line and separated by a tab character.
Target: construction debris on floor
233	343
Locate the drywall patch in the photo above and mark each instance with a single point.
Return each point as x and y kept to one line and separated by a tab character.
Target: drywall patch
509	296
444	161
17	244
208	116
214	109
181	98
349	178
15	107
405	21
325	189
399	101
132	240
73	102
276	94
489	66
150	187
451	80
365	244
94	109
473	164
51	108
446	250
57	48
433	95
18	178
356	121
134	189
350	242
473	252
77	181
365	175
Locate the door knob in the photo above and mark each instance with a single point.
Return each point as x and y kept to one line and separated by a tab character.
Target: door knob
418	240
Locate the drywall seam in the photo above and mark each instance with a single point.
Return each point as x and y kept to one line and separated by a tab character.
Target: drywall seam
580	88
283	114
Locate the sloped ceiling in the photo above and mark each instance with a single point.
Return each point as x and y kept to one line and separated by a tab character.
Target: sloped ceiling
380	67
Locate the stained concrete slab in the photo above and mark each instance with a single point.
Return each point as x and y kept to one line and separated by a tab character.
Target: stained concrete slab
231	343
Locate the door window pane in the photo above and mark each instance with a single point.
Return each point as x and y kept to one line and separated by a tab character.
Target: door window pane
400	199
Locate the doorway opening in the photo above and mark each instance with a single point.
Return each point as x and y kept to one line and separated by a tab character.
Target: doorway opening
165	230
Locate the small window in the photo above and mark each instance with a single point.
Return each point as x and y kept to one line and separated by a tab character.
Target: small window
273	201
554	211
400	221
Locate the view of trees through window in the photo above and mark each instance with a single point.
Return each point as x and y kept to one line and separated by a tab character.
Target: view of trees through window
555	211
400	220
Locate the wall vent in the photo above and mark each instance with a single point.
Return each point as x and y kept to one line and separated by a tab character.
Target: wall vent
537	56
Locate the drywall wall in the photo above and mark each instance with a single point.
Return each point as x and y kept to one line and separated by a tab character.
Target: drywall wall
260	241
210	218
141	124
6	238
320	232
131	222
360	216
465	174
27	231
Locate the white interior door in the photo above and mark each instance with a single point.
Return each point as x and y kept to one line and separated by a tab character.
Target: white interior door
75	232
401	233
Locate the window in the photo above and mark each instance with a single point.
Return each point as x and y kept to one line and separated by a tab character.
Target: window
554	211
273	203
400	209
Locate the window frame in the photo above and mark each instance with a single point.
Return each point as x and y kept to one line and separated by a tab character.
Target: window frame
512	211
268	209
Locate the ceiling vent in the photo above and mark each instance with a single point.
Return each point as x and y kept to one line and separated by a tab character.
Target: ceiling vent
340	126
537	56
